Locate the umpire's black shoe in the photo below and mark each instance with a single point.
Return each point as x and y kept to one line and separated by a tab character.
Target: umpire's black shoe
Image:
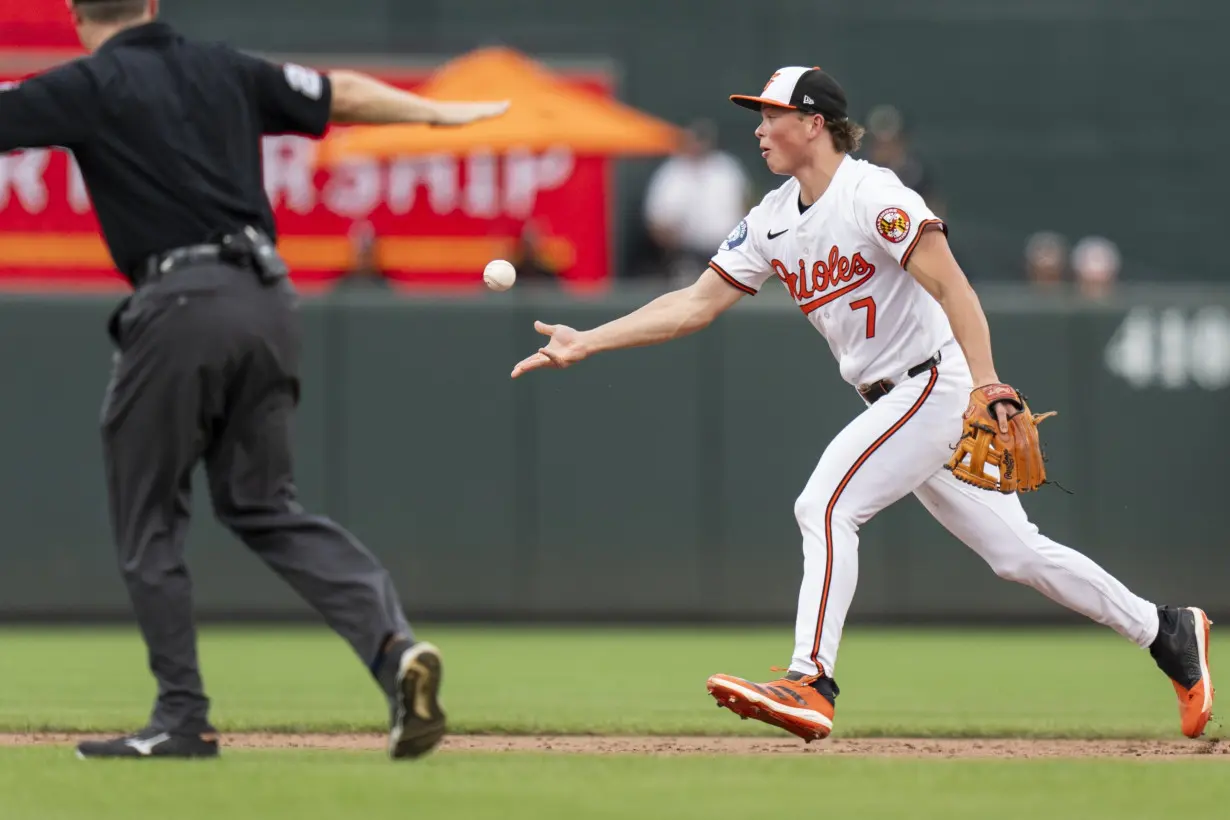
150	743
1181	650
417	723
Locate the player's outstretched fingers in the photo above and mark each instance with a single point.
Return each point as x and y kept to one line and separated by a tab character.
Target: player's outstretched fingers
534	362
555	360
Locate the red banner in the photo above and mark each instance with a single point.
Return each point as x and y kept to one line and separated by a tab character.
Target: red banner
38	24
437	221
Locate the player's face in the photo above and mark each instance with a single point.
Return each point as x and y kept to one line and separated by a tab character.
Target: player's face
784	136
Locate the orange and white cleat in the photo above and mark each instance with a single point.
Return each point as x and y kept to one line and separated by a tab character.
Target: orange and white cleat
1181	650
801	704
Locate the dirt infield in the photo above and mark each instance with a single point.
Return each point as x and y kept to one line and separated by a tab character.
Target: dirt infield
668	746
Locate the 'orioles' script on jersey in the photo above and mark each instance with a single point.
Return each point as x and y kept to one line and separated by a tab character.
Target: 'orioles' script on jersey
843	261
820	277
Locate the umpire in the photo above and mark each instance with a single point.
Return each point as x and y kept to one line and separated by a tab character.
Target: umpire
167	133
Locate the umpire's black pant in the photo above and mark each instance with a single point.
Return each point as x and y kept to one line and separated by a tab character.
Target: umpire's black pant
207	368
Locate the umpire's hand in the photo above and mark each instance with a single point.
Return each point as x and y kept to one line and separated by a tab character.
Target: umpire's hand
464	113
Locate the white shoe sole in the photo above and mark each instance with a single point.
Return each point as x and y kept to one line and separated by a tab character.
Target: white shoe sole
1203	625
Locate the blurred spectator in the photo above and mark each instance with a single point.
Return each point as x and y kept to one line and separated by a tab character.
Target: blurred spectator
888	146
1046	259
530	259
365	270
693	201
1095	266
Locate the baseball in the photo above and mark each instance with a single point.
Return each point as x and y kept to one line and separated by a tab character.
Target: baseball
499	274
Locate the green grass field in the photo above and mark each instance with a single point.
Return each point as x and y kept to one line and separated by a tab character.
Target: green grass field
1044	684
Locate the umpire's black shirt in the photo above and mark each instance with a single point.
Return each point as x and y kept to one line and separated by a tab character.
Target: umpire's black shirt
167	134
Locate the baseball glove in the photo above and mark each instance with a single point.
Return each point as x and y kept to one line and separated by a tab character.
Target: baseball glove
1016	455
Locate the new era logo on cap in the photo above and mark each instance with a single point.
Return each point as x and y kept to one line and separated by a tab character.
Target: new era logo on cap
801	88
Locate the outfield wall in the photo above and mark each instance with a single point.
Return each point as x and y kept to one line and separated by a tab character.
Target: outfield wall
656	483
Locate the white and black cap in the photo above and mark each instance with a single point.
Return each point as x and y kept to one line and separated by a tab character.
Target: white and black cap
800	88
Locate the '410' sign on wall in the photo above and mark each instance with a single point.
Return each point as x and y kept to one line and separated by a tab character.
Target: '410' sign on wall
1172	348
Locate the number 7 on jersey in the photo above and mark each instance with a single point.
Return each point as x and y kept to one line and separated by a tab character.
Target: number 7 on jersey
870	305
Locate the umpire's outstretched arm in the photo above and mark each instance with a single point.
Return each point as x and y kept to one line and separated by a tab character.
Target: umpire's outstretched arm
359	98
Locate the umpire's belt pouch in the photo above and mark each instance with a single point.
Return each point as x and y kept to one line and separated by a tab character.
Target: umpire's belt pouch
258	251
113	322
270	267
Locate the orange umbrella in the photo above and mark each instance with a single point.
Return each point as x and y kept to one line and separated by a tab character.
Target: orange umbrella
546	112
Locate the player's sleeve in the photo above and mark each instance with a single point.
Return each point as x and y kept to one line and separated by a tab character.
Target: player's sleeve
893	216
740	260
291	98
57	108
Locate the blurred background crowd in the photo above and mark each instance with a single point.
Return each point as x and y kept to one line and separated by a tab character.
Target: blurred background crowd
694	196
1060	157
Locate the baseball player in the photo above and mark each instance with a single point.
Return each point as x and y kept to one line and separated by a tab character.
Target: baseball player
869	265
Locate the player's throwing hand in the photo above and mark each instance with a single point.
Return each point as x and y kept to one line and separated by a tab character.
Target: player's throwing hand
564	349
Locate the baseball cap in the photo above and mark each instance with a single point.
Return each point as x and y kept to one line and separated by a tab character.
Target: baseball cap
808	90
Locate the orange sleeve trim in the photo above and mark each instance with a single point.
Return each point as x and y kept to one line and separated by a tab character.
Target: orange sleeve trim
905	258
732	280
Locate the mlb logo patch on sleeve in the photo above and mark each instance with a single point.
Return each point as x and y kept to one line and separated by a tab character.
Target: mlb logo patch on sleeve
736	236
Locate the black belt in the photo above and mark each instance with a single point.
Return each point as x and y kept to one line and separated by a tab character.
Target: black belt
162	264
248	248
877	390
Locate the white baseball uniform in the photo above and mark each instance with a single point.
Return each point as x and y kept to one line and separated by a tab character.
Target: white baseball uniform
843	260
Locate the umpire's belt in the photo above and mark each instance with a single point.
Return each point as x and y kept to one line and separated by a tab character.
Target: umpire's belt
877	390
248	248
162	264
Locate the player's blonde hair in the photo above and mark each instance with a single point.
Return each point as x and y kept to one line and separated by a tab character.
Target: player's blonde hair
846	133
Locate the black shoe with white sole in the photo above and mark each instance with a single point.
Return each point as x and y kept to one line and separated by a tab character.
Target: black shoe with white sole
150	743
417	723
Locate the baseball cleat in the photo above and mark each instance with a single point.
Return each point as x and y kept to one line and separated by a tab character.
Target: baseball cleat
800	704
417	724
1181	650
149	743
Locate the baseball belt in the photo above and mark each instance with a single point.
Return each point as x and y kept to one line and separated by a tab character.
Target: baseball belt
877	390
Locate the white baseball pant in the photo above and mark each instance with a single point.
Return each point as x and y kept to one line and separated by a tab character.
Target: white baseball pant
899	445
